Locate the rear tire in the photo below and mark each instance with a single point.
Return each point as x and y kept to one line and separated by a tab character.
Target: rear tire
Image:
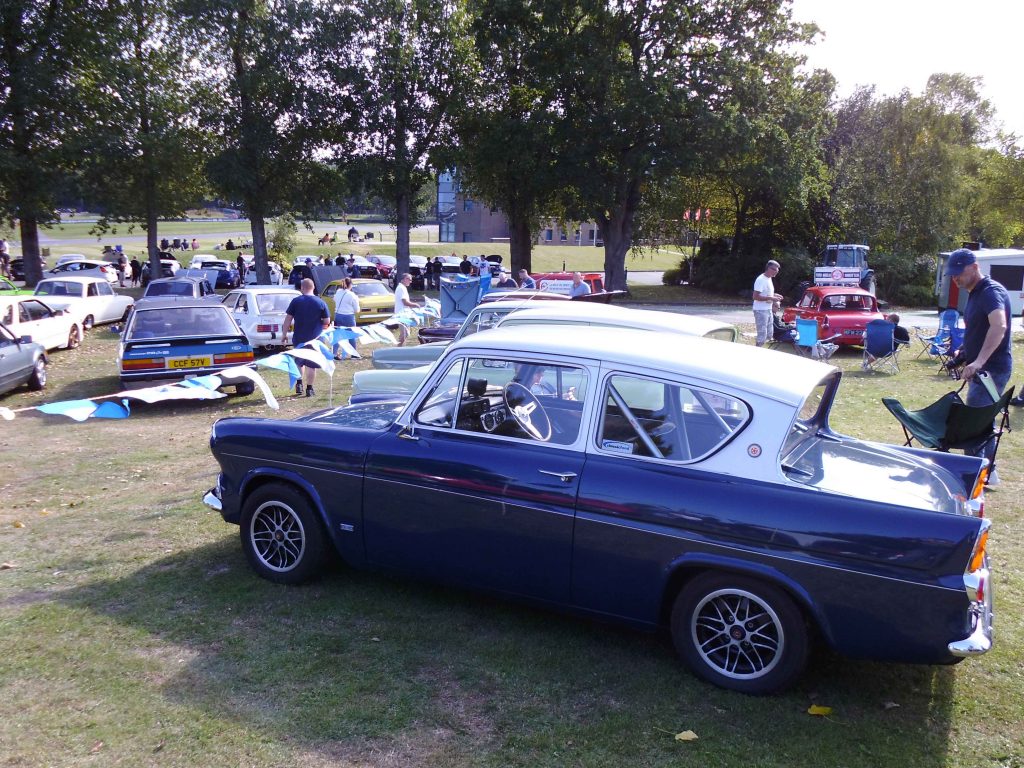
37	380
739	633
868	284
282	537
88	323
245	388
74	337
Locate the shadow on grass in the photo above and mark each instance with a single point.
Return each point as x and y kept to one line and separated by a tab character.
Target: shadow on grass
358	663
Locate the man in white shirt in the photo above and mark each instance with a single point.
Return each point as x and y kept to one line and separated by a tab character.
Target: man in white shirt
764	297
402	303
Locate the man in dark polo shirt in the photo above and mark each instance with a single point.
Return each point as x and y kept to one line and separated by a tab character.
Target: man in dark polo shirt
308	313
987	335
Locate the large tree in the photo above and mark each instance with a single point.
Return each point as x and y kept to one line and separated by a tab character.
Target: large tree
42	45
146	99
416	70
640	86
276	113
903	165
507	156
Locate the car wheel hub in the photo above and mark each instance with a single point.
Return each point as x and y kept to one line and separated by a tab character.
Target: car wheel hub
277	536
737	634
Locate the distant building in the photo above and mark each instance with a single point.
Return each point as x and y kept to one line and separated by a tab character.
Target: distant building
462	219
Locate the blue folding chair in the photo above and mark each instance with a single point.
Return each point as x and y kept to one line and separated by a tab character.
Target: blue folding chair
881	350
808	343
947	353
933	342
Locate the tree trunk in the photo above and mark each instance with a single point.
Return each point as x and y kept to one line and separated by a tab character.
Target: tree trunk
402	233
258	227
616	227
29	227
520	245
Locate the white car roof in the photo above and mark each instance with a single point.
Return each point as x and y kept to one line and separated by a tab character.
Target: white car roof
266	289
767	372
610	315
73	279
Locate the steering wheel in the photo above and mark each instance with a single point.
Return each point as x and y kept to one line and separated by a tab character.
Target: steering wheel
526	409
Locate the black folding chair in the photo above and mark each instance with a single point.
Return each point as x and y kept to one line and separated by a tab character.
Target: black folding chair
950	424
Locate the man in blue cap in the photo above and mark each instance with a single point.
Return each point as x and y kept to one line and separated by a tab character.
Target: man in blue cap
987	335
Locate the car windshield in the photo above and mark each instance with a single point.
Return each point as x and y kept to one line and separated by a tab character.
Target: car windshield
269	303
172	288
848	302
59	288
181	321
370	289
213	265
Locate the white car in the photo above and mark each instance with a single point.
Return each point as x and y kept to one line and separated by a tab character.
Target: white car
67	257
90	300
28	316
259	311
276	274
86	268
199	258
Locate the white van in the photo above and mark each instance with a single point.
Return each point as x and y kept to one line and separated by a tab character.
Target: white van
1004	265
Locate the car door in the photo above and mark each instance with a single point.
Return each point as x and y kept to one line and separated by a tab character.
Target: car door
102	296
15	361
463	494
39	322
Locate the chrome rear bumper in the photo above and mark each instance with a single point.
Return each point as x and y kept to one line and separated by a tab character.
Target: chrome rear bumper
980	639
212	499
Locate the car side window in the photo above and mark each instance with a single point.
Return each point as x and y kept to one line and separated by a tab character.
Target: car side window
9	315
652	418
103	289
231	300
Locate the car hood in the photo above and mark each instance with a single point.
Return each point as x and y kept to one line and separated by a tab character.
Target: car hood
377	415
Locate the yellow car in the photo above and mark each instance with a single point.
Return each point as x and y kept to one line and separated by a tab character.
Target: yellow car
376	302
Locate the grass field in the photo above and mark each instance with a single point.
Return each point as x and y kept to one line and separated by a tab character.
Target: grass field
135	634
76	238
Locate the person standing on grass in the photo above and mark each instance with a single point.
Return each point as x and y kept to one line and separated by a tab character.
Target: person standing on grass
764	297
308	313
5	258
986	346
402	303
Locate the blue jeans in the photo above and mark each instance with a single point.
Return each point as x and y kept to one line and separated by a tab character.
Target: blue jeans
978	395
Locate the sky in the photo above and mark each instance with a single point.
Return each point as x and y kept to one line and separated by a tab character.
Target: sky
897	44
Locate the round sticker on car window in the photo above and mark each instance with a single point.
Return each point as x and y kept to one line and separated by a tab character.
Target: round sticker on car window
753	450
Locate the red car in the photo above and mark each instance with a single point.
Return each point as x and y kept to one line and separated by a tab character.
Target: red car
841	311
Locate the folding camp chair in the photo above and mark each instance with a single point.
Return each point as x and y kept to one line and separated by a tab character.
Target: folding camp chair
881	352
949	424
931	342
808	343
947	353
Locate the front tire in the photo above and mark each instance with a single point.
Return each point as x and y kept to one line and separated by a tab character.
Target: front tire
282	537
37	380
245	388
739	633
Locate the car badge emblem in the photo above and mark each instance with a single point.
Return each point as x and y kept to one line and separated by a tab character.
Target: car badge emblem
753	450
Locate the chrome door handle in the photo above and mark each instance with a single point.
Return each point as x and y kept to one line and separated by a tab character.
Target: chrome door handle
565	477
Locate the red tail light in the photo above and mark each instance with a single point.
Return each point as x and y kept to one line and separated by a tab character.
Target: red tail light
233	358
267	328
143	364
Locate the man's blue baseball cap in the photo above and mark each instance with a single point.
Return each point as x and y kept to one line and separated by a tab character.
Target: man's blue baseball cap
959	261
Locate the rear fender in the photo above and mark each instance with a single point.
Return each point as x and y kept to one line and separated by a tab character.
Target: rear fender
690	564
964	468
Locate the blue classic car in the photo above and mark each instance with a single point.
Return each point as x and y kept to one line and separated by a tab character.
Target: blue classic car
655	479
177	338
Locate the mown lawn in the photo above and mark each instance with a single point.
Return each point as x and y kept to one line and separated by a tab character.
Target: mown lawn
134	633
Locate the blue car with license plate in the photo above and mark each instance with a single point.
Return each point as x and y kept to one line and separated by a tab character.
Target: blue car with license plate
175	338
651	478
